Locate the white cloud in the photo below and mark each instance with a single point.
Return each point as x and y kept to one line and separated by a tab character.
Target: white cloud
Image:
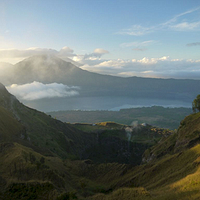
176	23
119	63
101	51
37	90
186	26
175	18
136	30
152	60
87	60
66	51
138	44
16	55
96	54
26	52
163	67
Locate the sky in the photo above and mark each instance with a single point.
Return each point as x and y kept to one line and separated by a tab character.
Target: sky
144	38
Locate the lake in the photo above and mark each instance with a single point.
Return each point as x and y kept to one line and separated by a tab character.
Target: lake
101	103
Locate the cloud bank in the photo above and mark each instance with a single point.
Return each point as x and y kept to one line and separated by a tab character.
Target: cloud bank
163	67
98	53
66	53
37	90
15	55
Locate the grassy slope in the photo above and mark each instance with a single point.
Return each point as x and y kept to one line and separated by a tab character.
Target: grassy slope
40	131
174	175
24	168
9	127
24	172
30	175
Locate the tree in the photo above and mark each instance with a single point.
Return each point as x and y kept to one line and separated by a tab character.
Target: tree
32	158
42	160
196	104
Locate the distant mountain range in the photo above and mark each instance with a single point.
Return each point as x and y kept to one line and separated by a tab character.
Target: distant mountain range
50	69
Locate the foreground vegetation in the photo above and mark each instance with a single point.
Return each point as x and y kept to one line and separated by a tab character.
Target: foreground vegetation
43	158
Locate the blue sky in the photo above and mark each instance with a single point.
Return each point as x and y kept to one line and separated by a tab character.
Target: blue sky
118	37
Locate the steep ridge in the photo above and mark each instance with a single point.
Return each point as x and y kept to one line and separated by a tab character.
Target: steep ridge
187	136
10	127
172	169
41	130
33	150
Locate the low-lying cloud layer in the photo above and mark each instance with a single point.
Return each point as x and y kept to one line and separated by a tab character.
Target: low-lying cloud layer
15	55
163	67
37	90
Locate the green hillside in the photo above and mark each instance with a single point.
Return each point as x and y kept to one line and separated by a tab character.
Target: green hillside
171	170
42	132
41	152
44	158
10	128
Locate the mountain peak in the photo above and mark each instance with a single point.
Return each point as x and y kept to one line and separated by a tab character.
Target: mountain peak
49	58
42	68
46	58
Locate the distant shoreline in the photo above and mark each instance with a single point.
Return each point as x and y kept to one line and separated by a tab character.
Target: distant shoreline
156	115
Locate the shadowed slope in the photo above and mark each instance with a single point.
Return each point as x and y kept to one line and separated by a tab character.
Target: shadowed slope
39	129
